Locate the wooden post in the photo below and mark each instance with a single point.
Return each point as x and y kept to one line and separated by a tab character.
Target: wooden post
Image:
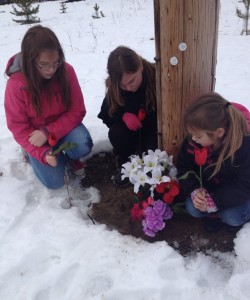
186	33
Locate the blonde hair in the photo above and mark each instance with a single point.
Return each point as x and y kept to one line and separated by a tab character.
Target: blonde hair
210	112
125	60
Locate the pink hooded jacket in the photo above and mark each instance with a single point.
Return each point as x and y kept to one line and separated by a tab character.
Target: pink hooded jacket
22	119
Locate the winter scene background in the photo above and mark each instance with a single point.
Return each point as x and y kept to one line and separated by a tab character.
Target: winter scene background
51	253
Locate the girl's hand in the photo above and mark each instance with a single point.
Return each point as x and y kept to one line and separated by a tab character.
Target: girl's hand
37	138
199	199
51	160
131	121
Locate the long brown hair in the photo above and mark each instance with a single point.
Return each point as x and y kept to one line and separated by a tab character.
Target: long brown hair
210	112
36	40
125	60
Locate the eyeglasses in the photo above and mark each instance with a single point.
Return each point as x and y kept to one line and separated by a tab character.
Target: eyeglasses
46	66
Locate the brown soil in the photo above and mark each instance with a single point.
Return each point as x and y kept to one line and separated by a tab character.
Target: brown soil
184	233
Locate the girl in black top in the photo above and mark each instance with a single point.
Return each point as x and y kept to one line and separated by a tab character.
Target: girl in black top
218	128
129	107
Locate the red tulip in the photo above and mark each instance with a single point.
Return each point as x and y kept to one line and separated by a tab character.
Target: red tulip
141	114
52	139
200	156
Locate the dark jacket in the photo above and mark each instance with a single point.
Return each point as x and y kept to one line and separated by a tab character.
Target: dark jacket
230	186
133	101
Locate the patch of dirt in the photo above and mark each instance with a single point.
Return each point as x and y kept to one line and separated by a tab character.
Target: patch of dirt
184	233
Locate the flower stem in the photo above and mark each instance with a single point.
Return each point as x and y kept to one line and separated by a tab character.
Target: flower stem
66	181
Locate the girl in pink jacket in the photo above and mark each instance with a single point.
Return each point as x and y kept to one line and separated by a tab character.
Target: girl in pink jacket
43	99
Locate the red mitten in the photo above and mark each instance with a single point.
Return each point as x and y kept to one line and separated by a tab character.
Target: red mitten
131	121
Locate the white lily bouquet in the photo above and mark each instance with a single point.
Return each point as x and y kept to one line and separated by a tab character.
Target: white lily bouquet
155	185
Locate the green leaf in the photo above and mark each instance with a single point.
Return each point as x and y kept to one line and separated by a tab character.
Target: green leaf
188	173
65	146
136	199
179	209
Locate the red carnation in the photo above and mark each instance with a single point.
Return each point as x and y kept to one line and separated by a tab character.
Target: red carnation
173	190
150	200
136	212
145	204
160	188
169	190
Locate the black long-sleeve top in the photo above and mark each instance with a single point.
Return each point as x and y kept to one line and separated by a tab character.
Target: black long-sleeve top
133	101
230	186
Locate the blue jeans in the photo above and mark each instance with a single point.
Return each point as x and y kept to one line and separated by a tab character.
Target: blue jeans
53	177
234	216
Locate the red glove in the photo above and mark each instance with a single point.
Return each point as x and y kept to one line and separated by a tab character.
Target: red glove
131	121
